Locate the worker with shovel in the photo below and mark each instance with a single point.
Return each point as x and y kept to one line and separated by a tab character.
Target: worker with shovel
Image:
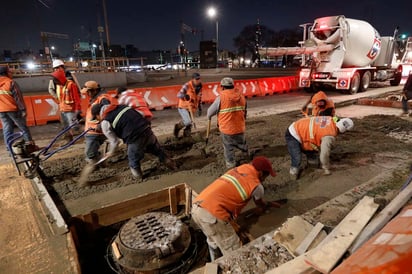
230	108
94	138
190	102
119	121
216	208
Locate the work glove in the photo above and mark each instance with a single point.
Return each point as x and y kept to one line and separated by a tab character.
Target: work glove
186	97
79	116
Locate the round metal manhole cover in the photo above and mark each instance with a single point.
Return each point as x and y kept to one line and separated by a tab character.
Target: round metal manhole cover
152	240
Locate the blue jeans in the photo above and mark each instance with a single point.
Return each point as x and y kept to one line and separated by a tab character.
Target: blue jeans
11	118
185	114
92	145
230	142
147	142
294	148
67	119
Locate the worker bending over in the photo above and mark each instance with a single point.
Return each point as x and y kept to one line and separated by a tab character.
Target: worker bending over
321	105
311	135
216	208
119	121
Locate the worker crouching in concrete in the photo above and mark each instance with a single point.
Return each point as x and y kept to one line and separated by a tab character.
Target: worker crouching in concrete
230	108
216	208
119	121
313	134
321	105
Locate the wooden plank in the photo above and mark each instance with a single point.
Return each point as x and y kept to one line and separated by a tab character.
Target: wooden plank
127	209
211	268
325	257
173	200
116	251
309	239
188	201
298	264
383	217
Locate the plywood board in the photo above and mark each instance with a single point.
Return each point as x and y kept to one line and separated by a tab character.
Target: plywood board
324	257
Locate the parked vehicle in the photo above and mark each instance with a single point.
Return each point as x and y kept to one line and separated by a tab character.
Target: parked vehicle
348	54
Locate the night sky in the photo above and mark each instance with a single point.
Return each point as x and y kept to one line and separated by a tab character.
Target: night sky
156	24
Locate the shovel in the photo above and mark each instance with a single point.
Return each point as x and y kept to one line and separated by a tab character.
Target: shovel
209	122
192	117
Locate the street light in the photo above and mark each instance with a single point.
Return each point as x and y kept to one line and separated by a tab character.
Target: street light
212	13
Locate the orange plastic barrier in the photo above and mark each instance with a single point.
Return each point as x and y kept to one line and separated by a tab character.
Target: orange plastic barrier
45	109
42	109
389	251
210	91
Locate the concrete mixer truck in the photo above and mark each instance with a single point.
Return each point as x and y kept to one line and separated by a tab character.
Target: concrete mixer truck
348	54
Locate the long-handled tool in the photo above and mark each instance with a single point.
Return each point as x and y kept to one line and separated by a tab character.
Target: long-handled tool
275	204
209	123
192	117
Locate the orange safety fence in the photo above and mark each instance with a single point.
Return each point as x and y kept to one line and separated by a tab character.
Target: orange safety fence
42	109
388	251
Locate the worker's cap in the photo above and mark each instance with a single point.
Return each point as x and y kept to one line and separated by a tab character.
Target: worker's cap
262	163
196	76
4	70
57	63
227	82
345	124
90	85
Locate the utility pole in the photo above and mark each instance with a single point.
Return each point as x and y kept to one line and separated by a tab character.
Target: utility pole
258	35
106	23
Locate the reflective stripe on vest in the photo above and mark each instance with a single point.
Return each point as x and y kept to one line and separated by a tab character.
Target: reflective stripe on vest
8	92
233	109
119	115
237	185
311	135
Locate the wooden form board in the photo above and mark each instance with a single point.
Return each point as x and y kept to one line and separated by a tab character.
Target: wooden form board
301	249
324	258
300	265
168	197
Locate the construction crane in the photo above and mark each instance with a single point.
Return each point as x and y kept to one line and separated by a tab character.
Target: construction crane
45	40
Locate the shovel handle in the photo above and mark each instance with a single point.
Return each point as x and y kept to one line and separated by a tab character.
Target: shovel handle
192	117
209	122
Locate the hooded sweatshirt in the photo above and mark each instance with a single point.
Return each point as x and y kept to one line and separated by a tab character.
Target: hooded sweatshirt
327	110
67	93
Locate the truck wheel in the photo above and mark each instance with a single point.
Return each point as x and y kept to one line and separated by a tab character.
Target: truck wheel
366	80
355	83
396	80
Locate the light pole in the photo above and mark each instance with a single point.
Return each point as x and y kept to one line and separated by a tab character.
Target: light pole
212	13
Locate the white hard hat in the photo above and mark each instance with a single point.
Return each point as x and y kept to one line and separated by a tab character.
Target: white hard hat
57	63
344	124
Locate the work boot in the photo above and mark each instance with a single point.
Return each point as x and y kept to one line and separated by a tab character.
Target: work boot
187	132
294	173
137	173
177	128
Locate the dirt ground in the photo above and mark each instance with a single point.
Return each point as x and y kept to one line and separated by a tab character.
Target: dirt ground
379	146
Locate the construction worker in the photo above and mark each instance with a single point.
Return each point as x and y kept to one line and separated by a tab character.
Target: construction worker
94	137
406	96
311	135
119	121
216	208
134	99
190	101
321	105
13	110
230	108
68	98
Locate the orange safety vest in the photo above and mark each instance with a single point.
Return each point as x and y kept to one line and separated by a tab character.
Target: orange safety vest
68	97
93	124
135	100
320	95
228	195
311	130
231	116
194	98
7	101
